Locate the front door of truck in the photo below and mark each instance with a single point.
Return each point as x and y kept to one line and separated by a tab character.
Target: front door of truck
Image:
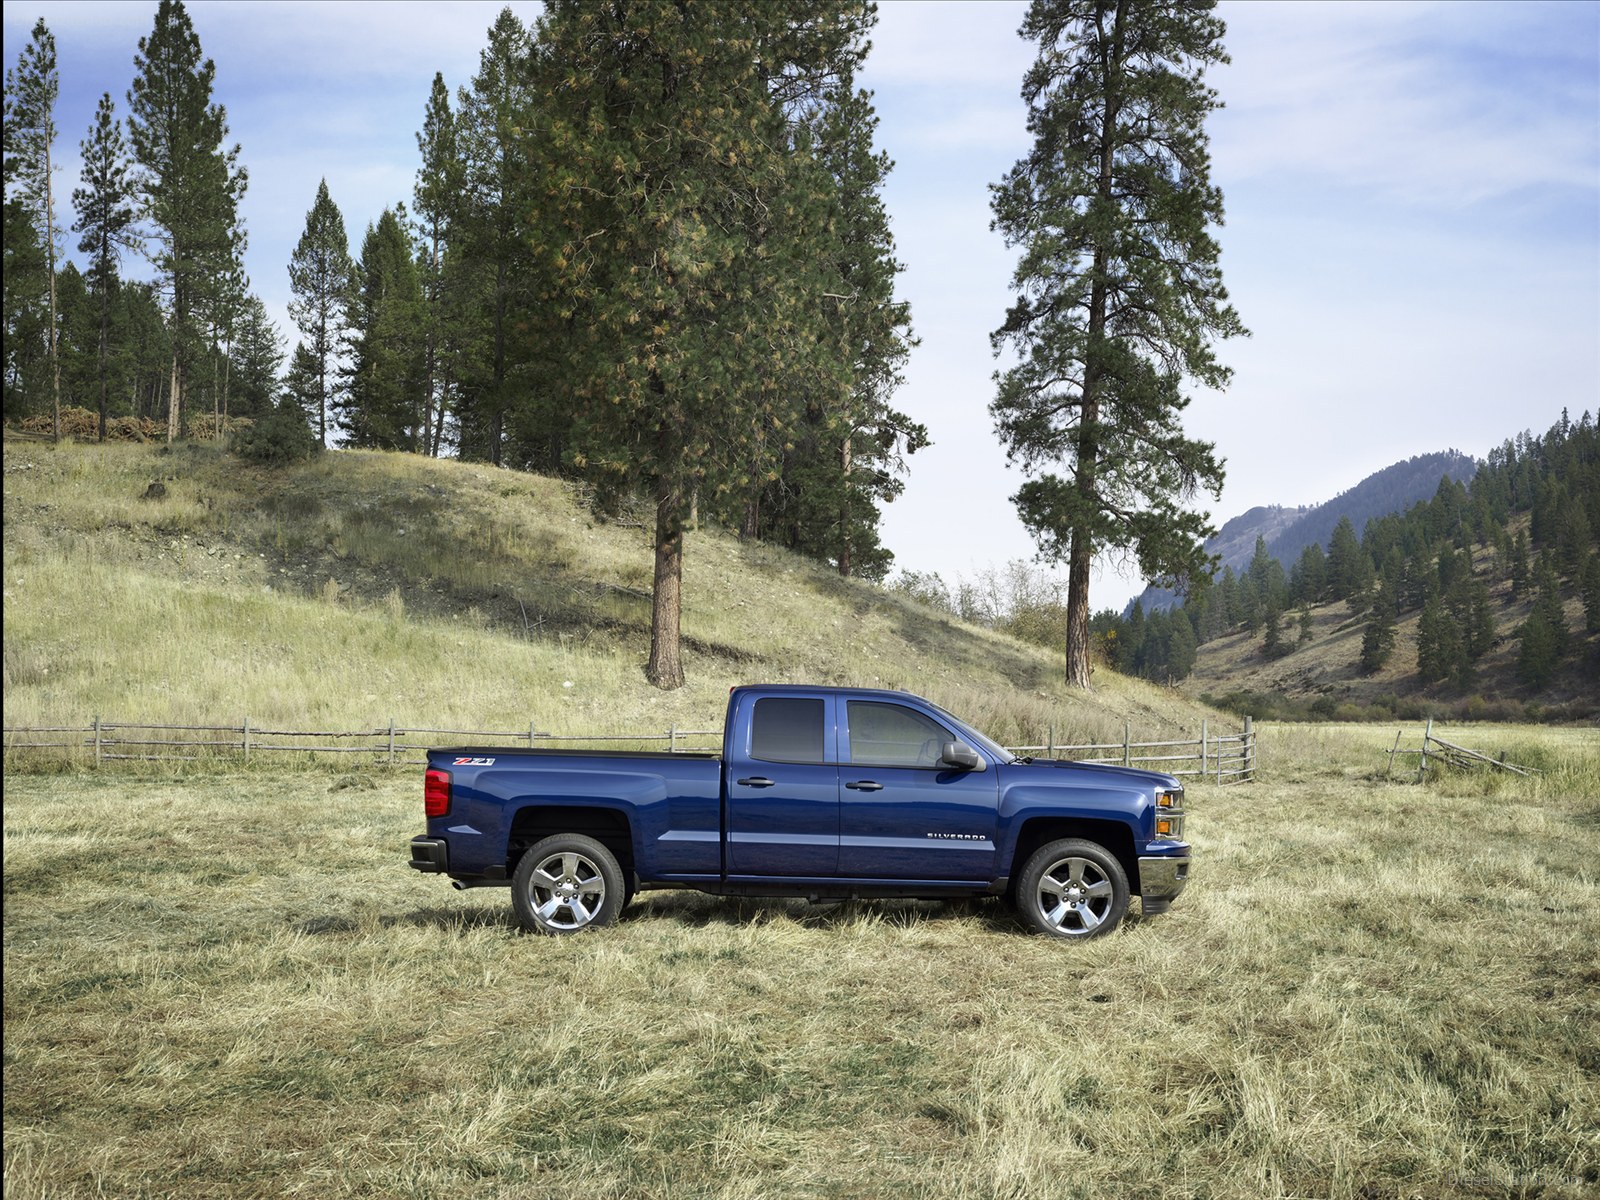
783	791
902	813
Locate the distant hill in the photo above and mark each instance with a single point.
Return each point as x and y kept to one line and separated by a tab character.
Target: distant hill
1288	531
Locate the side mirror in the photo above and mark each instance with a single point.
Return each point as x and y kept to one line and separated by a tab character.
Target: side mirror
959	754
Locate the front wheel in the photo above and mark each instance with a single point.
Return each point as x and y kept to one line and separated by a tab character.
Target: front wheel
1073	889
566	883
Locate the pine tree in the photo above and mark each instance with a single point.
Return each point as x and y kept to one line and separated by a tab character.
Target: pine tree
385	401
30	137
1344	561
1377	641
1539	654
1519	564
673	255
321	276
190	180
437	194
843	462
257	356
491	132
1273	645
1119	295
1591	594
1438	643
106	219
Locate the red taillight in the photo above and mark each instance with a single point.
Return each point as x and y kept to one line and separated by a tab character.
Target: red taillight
436	794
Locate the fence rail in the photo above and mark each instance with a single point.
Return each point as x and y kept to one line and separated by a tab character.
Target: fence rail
1441	751
1220	758
1223	758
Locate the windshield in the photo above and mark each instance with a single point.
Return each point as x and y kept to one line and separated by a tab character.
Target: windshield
992	748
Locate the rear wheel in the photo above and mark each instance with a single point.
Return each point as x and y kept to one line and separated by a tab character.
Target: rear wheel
1073	889
567	883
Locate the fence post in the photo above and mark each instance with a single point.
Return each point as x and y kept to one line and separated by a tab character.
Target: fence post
672	740
1127	739
247	739
1389	770
1249	763
1052	750
97	741
1422	765
530	734
391	741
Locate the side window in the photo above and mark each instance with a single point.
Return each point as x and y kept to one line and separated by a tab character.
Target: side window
891	735
787	729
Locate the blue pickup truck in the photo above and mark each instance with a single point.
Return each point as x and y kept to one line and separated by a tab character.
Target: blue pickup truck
819	792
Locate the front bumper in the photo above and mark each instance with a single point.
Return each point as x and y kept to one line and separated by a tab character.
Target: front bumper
1161	879
431	855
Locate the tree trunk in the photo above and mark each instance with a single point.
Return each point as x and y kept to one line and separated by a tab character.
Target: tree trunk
750	523
173	401
105	318
665	668
1088	449
844	509
426	440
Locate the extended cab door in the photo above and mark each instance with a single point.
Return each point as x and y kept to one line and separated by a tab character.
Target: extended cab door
783	789
903	814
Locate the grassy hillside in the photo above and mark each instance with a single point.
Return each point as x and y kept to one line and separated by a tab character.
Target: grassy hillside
1329	665
184	586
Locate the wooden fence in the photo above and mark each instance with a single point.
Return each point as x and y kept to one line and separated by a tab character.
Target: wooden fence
1223	759
1440	751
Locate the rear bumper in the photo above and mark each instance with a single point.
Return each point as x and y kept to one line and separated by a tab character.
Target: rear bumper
1161	880
431	855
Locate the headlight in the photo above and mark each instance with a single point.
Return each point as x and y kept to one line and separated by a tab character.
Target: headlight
1169	813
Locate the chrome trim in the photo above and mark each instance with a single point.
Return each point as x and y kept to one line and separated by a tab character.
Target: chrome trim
1163	877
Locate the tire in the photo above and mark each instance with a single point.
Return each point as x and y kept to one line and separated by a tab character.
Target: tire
566	884
1073	889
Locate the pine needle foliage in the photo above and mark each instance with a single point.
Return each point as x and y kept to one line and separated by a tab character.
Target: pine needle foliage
681	196
1119	292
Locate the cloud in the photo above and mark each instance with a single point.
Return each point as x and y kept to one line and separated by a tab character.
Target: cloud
1419	103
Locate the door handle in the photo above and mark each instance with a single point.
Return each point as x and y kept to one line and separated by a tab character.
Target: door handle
865	785
757	781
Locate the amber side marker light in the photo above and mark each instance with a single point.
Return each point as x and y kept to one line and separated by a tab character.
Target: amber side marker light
436	794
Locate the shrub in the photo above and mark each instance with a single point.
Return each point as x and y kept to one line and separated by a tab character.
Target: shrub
277	439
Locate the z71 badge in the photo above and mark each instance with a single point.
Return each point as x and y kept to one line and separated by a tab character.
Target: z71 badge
473	762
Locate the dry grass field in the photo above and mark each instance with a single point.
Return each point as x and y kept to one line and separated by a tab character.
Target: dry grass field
230	985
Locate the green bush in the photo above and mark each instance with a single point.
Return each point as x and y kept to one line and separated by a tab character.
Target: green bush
277	439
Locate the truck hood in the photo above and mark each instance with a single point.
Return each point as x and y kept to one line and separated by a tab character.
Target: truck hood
1132	775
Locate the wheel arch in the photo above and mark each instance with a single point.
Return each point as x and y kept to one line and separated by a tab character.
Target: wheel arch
1114	835
534	822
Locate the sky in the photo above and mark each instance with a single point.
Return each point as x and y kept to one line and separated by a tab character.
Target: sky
1412	235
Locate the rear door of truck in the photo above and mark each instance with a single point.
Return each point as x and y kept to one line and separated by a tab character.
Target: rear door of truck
783	786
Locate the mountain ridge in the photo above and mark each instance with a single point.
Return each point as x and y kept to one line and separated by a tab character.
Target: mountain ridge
1288	530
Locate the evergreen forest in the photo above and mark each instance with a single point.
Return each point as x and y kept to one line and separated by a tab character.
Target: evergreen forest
1519	540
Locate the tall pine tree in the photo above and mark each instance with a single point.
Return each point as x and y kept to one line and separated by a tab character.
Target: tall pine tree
106	219
322	279
30	138
190	180
678	206
1119	295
